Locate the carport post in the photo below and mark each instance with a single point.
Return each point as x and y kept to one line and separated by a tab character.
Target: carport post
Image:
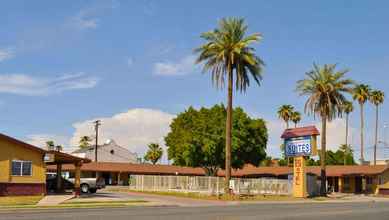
59	177
77	177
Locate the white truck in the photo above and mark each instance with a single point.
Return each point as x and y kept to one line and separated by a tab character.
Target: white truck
89	185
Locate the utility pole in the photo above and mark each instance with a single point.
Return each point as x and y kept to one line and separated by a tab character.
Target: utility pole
97	124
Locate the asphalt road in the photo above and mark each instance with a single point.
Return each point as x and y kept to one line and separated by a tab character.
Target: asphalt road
338	211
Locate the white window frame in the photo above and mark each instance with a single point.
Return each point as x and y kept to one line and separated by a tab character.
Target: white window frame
21	167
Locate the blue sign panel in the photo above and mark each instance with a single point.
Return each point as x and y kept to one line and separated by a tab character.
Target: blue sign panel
300	146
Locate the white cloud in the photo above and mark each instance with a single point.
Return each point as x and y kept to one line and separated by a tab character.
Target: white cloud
22	84
133	129
40	140
150	8
184	66
336	134
84	20
87	18
275	129
6	54
130	61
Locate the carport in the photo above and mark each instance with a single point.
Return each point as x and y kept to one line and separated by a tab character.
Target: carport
58	158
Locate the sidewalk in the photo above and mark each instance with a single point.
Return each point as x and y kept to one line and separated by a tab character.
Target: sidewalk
179	201
194	202
53	200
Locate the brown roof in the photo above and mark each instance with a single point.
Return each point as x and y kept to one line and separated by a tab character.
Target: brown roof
134	168
298	132
248	170
64	158
21	143
350	170
334	170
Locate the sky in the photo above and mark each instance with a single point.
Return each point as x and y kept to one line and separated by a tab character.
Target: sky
131	64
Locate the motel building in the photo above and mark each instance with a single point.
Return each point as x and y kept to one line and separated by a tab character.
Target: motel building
341	179
23	167
23	170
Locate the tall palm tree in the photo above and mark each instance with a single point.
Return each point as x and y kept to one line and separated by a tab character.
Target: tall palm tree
50	145
376	98
347	108
296	118
325	88
85	142
154	153
361	93
228	54
285	112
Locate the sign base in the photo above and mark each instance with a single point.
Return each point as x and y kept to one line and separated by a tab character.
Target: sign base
299	178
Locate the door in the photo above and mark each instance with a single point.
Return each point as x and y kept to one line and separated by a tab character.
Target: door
336	184
358	184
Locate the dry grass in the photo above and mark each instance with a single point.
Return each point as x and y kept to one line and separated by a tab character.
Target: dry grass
215	197
19	200
104	202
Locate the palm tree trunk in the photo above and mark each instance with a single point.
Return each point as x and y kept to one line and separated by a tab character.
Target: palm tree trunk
295	125
346	142
287	124
323	187
362	131
376	135
228	132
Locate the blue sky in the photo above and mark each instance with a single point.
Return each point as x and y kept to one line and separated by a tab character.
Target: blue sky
63	65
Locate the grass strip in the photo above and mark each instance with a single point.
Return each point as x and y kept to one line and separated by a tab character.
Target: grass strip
77	205
215	197
19	200
104	202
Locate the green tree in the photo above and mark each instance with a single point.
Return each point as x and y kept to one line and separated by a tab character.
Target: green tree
58	148
85	142
285	113
296	118
376	98
154	153
325	87
347	108
339	157
283	162
228	54
50	145
267	162
197	139
361	93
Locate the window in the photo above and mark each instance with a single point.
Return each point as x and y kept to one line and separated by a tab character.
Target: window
21	168
346	183
369	180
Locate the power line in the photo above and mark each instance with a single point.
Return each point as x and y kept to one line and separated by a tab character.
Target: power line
97	124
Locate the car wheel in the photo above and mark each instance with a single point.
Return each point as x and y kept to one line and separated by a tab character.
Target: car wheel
92	190
84	188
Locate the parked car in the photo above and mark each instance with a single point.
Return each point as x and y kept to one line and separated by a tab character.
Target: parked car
87	185
51	183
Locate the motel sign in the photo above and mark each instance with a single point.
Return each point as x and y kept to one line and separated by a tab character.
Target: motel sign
298	146
300	143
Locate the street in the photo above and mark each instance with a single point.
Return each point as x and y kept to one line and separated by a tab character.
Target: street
328	211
